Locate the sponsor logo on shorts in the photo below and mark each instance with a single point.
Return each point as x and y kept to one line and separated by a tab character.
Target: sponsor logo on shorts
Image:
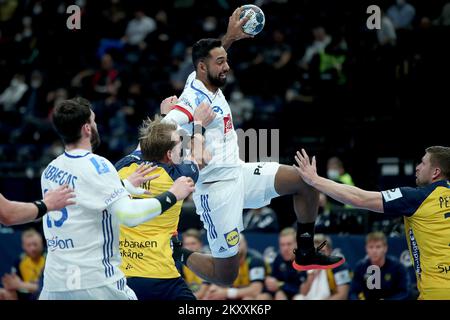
222	249
232	237
258	168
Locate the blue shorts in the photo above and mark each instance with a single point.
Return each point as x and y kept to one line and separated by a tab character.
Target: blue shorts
160	289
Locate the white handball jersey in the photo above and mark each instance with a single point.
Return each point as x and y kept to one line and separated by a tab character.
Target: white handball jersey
220	137
82	239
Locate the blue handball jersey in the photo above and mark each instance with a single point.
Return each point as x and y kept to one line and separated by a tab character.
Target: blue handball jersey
426	211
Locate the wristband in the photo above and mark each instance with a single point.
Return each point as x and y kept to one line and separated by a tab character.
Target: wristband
167	200
42	208
135	191
232	293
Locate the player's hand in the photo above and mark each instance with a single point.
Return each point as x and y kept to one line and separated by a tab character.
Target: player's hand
168	104
59	198
234	30
204	114
139	177
182	187
306	169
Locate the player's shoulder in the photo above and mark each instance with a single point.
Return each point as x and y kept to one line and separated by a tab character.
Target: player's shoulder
128	160
194	92
416	195
186	168
97	164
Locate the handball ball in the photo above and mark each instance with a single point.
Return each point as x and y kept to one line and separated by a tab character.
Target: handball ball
256	22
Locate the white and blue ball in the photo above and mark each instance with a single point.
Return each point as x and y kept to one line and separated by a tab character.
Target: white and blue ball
257	19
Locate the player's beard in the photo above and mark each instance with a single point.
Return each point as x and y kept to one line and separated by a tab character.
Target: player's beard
95	139
215	80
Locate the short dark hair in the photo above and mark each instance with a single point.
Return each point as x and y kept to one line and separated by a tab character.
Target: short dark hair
155	138
69	116
201	49
440	157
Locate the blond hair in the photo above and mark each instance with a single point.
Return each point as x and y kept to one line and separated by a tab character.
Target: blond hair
155	138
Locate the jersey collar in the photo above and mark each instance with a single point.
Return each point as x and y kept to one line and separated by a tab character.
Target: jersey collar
76	153
198	85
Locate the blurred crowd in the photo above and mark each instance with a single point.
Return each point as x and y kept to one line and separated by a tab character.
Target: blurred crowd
313	58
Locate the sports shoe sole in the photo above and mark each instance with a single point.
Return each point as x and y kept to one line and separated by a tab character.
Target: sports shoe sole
299	267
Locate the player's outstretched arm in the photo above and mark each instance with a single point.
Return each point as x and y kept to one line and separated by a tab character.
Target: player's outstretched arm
234	30
346	194
134	212
13	212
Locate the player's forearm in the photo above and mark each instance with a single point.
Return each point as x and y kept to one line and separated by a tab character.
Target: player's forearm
12	212
349	194
227	41
134	212
199	153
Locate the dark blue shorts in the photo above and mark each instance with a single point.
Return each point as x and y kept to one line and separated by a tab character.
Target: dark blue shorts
160	289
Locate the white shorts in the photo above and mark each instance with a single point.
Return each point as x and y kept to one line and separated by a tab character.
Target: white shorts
114	291
220	204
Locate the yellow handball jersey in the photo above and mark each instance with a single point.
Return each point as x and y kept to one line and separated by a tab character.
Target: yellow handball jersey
427	226
146	249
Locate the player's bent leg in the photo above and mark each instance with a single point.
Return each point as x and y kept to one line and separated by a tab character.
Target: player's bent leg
306	205
220	271
306	198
